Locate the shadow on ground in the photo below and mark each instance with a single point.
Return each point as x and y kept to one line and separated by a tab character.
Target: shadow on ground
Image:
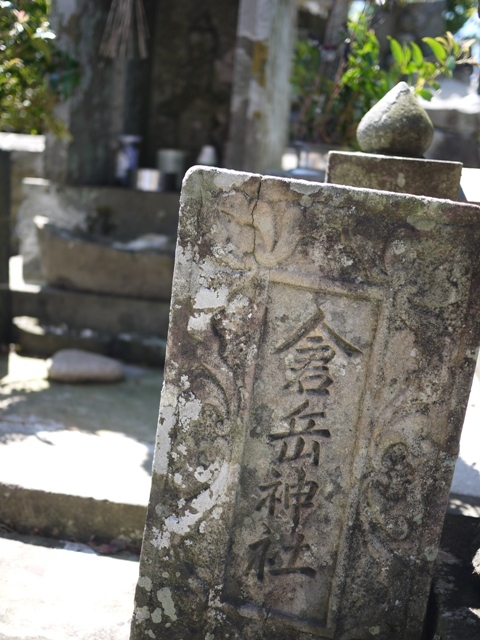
32	405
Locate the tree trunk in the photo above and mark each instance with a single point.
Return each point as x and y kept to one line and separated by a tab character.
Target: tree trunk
336	22
261	89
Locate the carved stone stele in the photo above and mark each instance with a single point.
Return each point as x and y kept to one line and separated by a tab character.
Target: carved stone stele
321	348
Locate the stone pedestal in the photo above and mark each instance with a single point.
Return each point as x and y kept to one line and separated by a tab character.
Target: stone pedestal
321	348
432	178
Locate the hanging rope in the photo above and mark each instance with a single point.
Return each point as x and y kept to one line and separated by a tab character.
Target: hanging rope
119	38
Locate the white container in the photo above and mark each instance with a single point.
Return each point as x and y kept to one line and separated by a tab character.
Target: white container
146	179
171	164
208	156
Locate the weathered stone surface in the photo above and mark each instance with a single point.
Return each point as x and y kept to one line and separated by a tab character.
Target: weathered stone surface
71	261
320	354
397	125
418	177
74	365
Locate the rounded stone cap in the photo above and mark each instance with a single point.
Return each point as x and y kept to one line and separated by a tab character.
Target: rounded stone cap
397	125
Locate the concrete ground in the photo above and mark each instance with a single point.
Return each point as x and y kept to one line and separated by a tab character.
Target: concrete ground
75	460
92	439
63	593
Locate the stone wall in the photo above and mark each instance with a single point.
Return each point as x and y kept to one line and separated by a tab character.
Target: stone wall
26	160
94	113
179	97
192	70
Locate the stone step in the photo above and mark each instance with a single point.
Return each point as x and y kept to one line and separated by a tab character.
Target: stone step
75	459
66	593
36	338
97	312
80	310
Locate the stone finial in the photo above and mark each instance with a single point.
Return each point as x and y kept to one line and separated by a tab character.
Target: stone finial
397	125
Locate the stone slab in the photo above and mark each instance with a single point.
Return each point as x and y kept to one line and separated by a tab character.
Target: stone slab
72	262
33	338
81	311
435	179
97	312
57	594
58	514
37	339
320	355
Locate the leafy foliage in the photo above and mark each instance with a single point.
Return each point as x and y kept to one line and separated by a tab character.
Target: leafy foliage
456	14
330	110
422	74
34	73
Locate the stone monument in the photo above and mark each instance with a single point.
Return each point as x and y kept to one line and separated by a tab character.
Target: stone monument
393	135
321	349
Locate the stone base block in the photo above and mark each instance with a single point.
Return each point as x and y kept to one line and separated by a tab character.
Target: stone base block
73	262
43	340
79	310
435	179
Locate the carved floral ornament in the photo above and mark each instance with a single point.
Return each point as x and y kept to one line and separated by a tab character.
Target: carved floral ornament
268	235
259	233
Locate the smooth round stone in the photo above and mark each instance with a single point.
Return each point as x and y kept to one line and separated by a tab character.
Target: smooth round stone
75	365
397	125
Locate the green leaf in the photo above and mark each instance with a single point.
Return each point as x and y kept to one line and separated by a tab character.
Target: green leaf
430	69
425	94
417	54
451	63
437	48
410	68
397	51
42	46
